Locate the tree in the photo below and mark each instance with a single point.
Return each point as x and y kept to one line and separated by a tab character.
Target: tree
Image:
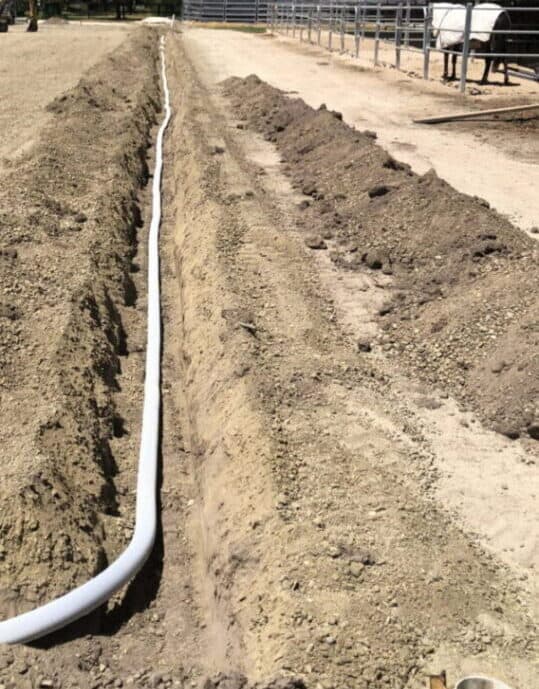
32	23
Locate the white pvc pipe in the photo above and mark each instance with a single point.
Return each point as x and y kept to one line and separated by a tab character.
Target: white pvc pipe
82	600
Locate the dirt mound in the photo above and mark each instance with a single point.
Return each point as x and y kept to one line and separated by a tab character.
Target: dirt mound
69	232
461	308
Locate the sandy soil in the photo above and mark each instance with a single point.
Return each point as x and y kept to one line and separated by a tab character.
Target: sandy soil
387	102
35	68
319	526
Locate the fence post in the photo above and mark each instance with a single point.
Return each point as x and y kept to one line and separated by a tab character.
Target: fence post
318	25
342	28
466	47
300	17
377	33
363	10
407	20
293	21
310	25
330	32
427	27
398	21
356	29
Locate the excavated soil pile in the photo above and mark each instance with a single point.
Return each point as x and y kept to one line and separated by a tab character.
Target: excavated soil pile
68	224
462	308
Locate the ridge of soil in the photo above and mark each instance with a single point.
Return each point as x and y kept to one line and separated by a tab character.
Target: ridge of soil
461	308
69	220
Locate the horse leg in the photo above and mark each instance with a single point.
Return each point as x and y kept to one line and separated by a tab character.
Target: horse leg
446	67
505	73
453	67
484	78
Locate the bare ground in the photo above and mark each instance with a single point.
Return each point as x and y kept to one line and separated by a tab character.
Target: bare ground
325	520
35	68
388	101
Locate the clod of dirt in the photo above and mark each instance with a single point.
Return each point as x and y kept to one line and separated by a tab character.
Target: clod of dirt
378	190
375	260
232	680
509	431
364	345
315	241
533	430
10	311
235	680
391	164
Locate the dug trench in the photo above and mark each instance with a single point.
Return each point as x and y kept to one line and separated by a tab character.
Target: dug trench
70	217
302	541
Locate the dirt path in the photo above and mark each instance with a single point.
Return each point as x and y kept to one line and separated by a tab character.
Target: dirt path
35	68
385	101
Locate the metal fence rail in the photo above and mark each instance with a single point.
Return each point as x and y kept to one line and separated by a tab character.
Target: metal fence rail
406	27
233	11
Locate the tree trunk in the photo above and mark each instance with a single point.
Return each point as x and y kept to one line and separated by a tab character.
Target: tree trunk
32	23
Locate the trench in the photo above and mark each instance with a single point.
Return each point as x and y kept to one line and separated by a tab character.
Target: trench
293	508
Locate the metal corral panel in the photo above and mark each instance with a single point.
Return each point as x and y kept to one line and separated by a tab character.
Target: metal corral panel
234	11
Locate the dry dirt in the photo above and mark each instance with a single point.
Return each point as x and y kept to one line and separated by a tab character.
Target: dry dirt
33	72
388	101
69	220
461	304
326	520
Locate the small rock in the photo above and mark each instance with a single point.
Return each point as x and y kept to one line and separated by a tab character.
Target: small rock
498	366
533	430
81	217
233	680
374	260
508	430
534	230
216	150
364	345
9	253
315	241
356	568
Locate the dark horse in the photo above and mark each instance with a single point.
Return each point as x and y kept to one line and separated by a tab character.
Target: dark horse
496	44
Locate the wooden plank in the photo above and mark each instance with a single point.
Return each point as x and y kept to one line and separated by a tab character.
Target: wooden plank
477	113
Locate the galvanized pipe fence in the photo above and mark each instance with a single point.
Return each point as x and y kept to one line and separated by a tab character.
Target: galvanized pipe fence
405	26
228	11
